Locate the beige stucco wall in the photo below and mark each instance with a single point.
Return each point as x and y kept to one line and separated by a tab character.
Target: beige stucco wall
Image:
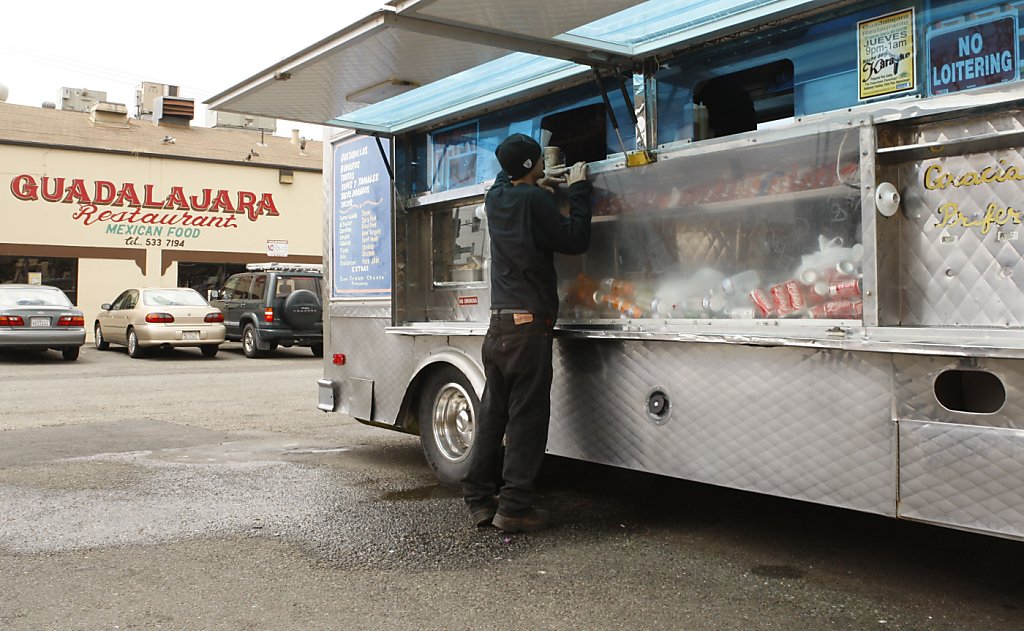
106	279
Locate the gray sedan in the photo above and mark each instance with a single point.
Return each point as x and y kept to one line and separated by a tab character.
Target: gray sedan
40	317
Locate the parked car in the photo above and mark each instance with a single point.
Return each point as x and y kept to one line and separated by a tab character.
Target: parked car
40	317
147	318
273	304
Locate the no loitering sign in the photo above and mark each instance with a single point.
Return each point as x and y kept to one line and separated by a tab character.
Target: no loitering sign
973	55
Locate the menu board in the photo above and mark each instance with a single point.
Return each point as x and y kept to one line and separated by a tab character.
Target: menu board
361	220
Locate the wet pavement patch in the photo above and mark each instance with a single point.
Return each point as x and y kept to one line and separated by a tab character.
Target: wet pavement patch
777	571
433	491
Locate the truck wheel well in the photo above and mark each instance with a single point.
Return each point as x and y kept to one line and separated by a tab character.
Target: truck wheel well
408	415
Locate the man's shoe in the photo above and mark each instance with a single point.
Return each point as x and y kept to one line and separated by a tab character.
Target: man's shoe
482	515
531	521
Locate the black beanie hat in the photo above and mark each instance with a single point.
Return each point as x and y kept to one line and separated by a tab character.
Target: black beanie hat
517	154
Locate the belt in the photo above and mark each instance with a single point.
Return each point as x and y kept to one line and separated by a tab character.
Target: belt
505	311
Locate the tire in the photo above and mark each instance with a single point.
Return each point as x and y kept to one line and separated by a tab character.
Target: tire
302	310
134	350
447	416
101	343
249	346
70	353
318	349
209	350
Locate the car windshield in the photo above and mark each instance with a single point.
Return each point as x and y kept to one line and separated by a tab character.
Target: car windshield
33	297
172	298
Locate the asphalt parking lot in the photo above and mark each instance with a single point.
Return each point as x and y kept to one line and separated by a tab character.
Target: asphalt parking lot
179	492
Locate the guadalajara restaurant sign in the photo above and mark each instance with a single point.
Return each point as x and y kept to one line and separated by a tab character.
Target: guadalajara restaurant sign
101	201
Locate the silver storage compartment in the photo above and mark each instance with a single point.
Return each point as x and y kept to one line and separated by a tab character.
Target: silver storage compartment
961	251
961	441
444	275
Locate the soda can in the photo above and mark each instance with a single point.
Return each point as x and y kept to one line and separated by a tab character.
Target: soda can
845	288
796	295
762	302
780	299
839	310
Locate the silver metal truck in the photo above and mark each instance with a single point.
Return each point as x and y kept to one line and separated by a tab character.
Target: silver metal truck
805	276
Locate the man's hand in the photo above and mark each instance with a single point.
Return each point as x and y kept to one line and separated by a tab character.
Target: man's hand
577	173
552	178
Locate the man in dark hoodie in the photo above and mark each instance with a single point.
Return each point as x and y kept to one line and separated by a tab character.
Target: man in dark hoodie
526	229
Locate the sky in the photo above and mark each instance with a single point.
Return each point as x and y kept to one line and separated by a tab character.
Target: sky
204	47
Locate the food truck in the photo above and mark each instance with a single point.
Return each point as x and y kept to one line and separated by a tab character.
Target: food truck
805	277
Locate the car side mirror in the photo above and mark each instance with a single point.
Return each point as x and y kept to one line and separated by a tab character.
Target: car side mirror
105	306
212	294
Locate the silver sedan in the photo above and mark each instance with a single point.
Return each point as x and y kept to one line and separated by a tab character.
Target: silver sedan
40	317
147	318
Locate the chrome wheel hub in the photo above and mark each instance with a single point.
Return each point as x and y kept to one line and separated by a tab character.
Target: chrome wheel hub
453	422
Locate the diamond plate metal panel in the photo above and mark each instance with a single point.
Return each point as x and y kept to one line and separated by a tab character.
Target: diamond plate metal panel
963	476
370	353
800	423
953	274
914	381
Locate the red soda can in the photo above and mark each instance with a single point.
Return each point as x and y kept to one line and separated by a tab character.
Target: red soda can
796	295
780	299
762	302
839	310
844	288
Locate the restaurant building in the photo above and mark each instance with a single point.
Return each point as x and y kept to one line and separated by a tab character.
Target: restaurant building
95	202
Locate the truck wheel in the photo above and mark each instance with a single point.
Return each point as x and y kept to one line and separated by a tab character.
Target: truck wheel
70	353
318	349
448	408
101	344
134	350
209	350
249	342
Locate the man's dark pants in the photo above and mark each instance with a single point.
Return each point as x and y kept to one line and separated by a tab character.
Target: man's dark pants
517	405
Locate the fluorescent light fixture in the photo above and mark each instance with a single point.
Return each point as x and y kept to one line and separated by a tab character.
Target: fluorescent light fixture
381	91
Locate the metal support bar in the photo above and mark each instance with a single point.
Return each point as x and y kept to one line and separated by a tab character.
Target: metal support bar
384	156
611	112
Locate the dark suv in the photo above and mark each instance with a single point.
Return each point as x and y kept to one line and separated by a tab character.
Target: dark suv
273	304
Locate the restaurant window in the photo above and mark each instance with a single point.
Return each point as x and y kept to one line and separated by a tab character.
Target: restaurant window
206	276
33	270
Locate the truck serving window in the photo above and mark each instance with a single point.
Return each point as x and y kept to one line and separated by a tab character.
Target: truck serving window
581	133
743	101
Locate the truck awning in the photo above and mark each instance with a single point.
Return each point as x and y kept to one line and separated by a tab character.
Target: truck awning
414	62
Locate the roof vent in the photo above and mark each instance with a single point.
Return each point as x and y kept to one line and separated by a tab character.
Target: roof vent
173	110
104	113
80	99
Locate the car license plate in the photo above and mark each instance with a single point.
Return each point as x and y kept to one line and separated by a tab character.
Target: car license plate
190	335
39	321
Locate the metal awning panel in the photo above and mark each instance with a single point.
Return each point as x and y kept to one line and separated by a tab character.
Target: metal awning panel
532	18
417	42
457	51
474	89
314	85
